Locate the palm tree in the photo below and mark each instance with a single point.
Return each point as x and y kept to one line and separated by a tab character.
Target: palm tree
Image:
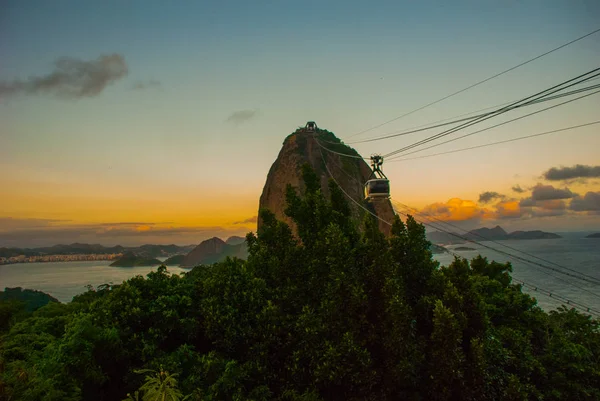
160	386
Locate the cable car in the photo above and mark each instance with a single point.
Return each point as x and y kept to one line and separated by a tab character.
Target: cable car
378	185
311	126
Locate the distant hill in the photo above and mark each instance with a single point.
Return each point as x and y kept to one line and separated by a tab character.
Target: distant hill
235	240
487	234
174	260
132	260
537	234
214	250
33	299
148	250
435	249
595	235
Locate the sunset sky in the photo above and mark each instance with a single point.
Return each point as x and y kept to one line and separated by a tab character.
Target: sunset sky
181	108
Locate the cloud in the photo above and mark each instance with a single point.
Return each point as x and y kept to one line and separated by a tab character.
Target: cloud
71	78
508	209
143	85
457	209
252	219
569	173
488	196
242	116
517	188
548	192
554	204
590	202
527	202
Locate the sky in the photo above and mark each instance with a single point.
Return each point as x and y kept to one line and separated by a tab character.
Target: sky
157	122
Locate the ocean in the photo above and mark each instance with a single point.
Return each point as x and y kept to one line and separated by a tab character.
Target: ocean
63	280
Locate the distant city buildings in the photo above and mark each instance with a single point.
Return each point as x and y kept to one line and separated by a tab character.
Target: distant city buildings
59	258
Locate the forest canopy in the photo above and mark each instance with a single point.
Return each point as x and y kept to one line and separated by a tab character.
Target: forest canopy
336	313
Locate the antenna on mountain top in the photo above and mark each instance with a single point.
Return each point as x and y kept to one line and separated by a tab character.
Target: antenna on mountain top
311	126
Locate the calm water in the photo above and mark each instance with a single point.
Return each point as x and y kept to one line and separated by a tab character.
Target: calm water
64	280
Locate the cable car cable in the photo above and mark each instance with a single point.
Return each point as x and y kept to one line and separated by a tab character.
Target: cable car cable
494	143
428	127
488	128
503	110
338	153
477	83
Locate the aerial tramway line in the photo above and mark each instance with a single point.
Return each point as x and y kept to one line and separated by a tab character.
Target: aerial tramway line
377	186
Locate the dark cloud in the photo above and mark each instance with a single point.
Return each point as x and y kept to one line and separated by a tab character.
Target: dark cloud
488	196
242	116
143	85
569	173
548	192
517	188
71	78
252	219
590	202
527	202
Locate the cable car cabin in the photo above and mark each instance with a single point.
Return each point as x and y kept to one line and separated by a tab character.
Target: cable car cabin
378	188
311	126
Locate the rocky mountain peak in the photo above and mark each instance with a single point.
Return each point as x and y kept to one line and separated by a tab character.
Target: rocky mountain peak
351	173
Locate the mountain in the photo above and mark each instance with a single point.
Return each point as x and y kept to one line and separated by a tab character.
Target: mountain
435	249
235	240
487	234
536	234
150	251
495	233
174	260
214	250
33	299
351	173
130	259
595	235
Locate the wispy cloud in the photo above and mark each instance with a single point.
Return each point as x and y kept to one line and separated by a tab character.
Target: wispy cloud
252	219
143	85
517	188
241	116
488	196
71	78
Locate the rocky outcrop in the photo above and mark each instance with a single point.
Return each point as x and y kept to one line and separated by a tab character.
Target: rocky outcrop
351	173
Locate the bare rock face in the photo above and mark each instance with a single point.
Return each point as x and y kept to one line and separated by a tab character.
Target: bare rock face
351	173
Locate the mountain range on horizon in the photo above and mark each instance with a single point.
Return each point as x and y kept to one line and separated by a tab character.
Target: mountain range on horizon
487	234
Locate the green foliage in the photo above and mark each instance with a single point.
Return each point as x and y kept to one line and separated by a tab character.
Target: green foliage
33	299
332	314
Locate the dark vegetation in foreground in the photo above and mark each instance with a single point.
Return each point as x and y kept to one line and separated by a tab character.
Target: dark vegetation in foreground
343	315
